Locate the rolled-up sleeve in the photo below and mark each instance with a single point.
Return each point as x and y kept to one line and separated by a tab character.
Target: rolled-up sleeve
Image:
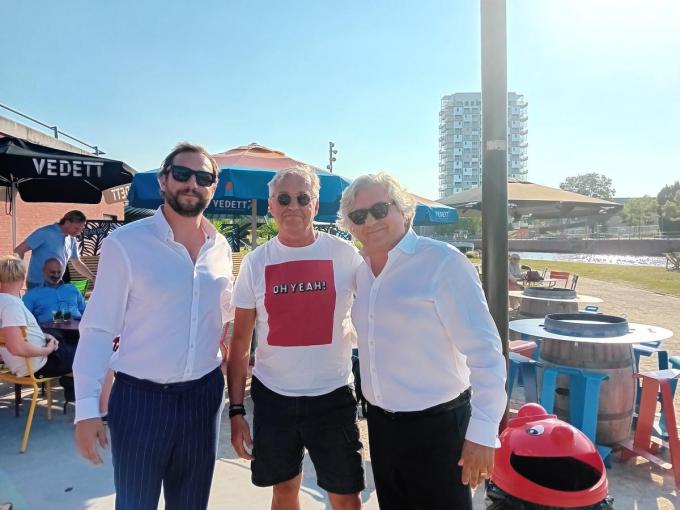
464	313
102	321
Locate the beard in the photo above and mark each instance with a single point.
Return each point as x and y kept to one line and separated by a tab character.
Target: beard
189	210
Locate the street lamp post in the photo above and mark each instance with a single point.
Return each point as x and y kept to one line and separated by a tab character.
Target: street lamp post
331	156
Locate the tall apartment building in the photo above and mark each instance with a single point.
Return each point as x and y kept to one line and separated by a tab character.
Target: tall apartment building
460	141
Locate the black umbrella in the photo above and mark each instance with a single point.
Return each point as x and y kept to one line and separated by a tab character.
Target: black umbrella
43	174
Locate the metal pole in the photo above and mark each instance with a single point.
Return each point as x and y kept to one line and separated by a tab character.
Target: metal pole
253	224
13	208
494	163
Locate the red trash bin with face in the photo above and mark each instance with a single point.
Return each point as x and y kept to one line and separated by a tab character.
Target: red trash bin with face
545	461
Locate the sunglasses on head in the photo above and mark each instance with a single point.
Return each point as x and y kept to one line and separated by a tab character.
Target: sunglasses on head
378	210
284	199
183	174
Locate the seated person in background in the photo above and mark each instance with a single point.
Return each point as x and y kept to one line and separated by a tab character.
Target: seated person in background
515	275
48	357
53	294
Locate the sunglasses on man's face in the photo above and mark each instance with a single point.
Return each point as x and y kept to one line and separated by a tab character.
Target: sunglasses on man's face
284	199
378	210
183	174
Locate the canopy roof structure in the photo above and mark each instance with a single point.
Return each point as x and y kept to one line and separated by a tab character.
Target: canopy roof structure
537	201
245	172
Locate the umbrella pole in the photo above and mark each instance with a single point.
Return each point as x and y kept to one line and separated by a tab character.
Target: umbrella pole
13	208
253	224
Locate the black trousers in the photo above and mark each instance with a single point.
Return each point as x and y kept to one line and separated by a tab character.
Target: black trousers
415	457
60	363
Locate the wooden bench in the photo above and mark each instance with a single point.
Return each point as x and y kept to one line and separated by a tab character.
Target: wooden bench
236	259
92	263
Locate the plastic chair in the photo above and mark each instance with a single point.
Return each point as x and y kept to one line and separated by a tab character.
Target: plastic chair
655	384
574	281
559	275
81	285
29	380
584	400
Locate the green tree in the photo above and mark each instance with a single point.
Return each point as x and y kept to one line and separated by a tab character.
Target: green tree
671	208
470	224
640	211
591	184
667	193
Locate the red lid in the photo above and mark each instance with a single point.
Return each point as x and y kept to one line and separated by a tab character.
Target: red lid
546	461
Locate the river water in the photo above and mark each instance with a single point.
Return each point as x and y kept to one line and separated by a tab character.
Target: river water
627	260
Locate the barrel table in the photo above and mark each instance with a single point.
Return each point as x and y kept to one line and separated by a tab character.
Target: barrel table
539	302
598	343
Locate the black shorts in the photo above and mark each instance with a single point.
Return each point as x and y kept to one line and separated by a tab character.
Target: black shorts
325	425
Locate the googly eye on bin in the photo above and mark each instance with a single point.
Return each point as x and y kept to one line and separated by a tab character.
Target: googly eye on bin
536	430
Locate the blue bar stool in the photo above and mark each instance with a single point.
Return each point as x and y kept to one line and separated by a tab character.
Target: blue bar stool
584	400
527	368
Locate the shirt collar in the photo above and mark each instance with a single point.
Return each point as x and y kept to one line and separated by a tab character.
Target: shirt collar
407	244
164	230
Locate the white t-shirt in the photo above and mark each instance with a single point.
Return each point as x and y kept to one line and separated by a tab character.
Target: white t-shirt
14	313
302	298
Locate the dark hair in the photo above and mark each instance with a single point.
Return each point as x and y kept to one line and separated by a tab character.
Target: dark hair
186	147
73	217
53	259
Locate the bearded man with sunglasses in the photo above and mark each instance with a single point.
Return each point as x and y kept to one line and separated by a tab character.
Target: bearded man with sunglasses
297	290
164	286
432	369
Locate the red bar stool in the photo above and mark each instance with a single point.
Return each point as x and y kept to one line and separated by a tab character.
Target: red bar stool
644	444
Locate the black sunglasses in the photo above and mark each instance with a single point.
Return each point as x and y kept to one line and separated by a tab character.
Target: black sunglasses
303	199
183	174
378	210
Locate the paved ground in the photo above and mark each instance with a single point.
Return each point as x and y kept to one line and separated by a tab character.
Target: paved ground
50	476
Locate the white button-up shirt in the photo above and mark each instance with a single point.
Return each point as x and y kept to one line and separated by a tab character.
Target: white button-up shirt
168	311
425	335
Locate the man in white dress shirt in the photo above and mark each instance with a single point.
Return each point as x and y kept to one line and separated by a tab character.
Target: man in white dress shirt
164	286
297	291
432	369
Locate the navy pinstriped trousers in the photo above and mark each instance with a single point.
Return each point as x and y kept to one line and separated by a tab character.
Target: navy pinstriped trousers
164	433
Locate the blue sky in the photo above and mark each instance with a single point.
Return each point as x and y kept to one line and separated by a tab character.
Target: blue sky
602	79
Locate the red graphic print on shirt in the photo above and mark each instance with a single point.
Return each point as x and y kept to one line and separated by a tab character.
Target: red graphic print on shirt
300	302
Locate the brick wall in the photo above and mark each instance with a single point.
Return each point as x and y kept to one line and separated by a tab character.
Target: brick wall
34	215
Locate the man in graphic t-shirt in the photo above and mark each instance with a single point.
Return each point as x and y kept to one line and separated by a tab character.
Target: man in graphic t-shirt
296	291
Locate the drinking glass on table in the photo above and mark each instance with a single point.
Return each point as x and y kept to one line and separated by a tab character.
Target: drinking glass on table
67	313
56	316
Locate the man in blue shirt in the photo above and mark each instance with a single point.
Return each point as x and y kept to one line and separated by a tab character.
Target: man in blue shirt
54	241
53	294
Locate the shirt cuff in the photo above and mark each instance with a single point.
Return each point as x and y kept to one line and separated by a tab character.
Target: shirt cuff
87	408
482	432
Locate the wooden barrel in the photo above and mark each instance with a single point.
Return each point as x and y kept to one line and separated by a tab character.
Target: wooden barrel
617	394
539	308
